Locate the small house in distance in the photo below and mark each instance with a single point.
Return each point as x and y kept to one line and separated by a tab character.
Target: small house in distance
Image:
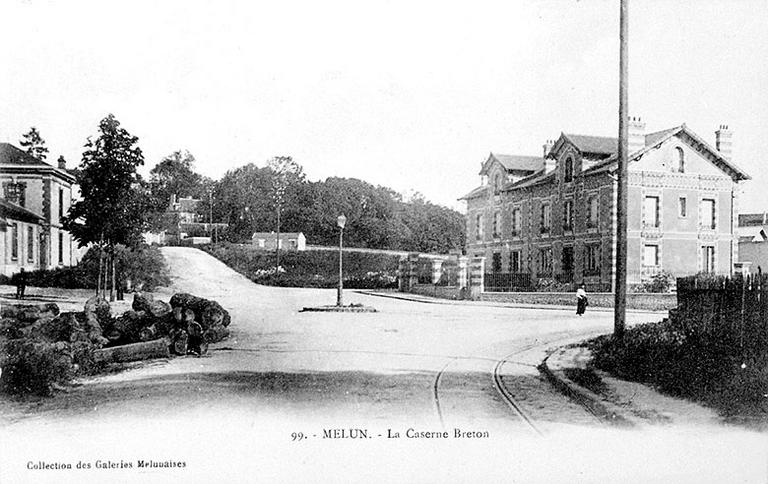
288	241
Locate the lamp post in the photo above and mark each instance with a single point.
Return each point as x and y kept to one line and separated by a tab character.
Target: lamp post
341	221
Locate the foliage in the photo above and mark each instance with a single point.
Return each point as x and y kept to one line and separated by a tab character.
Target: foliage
114	201
250	198
34	144
309	268
659	282
31	367
688	356
144	266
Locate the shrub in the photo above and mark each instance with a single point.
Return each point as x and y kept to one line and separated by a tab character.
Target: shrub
31	367
659	282
309	268
144	266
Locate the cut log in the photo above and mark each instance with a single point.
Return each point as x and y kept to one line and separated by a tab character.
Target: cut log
129	325
215	334
188	317
132	352
148	333
180	343
99	307
29	313
208	313
144	301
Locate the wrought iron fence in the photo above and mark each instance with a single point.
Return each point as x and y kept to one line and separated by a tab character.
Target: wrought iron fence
508	281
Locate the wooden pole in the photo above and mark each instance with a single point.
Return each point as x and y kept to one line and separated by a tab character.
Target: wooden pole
620	302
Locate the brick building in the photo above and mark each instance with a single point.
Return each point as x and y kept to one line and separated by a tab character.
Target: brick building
553	216
35	197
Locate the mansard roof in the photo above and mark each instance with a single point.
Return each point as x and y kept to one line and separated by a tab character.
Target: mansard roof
514	162
597	145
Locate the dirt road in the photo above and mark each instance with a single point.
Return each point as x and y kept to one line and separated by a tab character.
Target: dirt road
287	392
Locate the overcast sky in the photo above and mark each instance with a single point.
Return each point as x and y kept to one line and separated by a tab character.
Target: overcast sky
406	94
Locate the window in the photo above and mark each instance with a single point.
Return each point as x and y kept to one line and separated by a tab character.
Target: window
708	259
15	193
30	244
496	225
514	261
567	260
678	164
545	218
478	227
651	212
496	262
15	242
568	175
61	248
568	215
517	222
708	214
651	255
591	260
592	212
545	260
61	203
682	207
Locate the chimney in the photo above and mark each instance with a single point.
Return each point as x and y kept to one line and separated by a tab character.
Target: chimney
636	137
173	200
548	147
723	142
62	163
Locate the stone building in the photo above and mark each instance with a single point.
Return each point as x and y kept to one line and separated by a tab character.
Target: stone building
35	197
554	217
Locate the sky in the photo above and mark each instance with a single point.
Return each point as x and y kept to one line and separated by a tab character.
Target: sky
406	94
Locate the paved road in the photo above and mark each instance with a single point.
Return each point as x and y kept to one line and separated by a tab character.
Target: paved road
231	415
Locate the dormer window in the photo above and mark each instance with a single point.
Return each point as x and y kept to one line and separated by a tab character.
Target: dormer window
678	164
568	175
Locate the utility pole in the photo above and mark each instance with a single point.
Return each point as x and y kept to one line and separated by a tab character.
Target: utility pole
620	286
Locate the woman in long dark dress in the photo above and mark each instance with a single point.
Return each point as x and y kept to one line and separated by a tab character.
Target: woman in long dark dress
581	300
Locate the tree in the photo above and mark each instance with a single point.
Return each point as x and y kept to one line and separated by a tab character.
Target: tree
174	175
285	172
115	200
34	143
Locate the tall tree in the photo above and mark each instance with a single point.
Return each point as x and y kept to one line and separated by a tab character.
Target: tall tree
114	202
285	172
175	175
34	144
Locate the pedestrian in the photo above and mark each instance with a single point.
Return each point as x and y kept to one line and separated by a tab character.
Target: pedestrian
20	279
581	300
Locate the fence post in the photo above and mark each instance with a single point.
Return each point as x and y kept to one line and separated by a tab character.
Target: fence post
437	270
476	278
402	272
463	268
413	270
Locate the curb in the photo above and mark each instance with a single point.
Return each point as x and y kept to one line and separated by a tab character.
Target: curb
604	412
492	304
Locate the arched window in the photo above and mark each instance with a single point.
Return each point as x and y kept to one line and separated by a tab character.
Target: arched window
568	175
678	164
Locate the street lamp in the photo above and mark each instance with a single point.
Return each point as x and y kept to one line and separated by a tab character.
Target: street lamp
341	221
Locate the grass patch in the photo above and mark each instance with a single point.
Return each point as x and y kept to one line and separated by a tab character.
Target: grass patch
587	378
309	268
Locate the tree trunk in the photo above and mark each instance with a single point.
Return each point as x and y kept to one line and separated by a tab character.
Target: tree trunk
101	268
112	287
132	352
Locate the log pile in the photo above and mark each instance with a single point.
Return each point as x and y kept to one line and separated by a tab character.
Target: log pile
186	325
